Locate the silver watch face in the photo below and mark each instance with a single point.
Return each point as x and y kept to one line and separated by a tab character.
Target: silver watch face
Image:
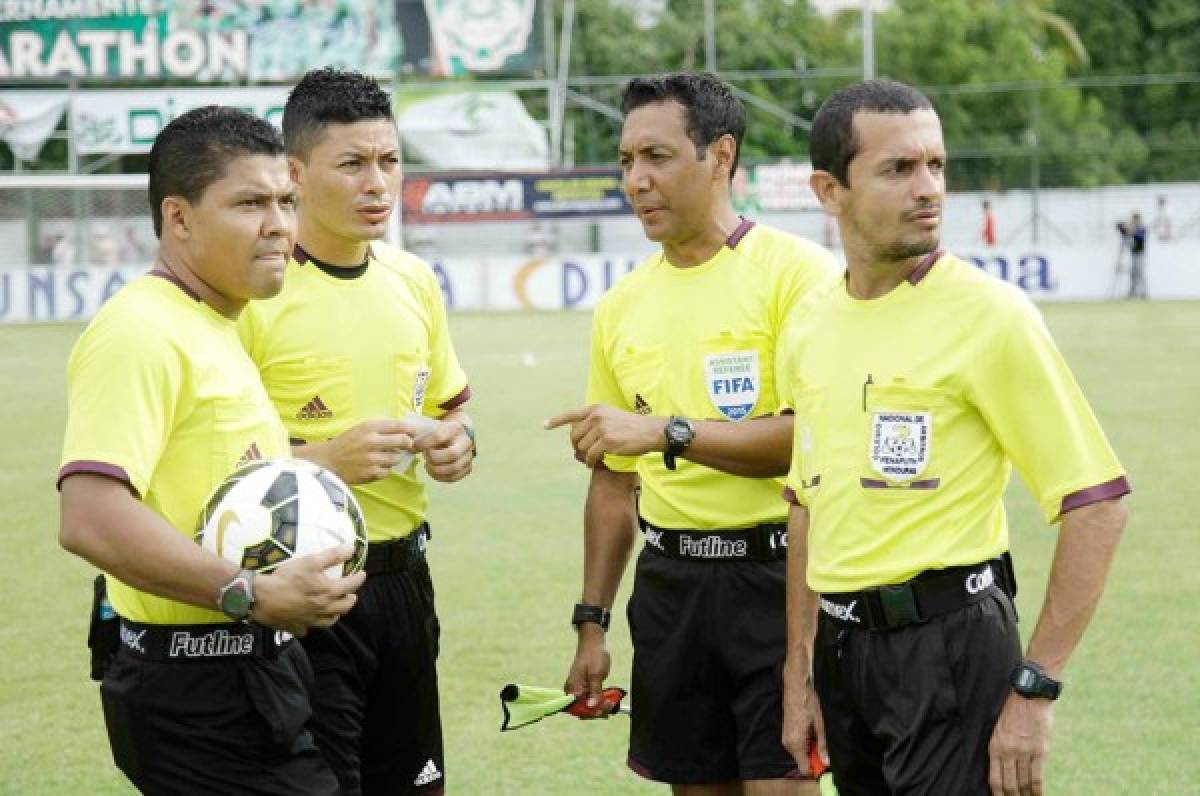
236	599
679	431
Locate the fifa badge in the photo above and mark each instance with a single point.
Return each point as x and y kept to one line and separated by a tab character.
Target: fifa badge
733	382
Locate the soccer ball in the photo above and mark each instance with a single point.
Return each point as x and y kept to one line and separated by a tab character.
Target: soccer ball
269	511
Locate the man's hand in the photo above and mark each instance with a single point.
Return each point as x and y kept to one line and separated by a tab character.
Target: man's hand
1019	746
802	719
590	667
448	451
364	453
298	594
598	429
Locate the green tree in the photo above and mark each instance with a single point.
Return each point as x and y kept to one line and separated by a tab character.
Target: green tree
1148	37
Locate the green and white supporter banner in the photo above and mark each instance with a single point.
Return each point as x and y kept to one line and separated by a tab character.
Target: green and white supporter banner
28	118
126	122
232	40
497	36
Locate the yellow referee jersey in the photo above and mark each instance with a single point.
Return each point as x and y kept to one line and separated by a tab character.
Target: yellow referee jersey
700	342
339	346
910	409
161	395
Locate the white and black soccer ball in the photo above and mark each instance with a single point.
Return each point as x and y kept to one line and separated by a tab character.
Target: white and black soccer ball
269	511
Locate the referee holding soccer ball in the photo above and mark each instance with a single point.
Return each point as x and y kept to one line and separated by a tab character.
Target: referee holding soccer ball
163	404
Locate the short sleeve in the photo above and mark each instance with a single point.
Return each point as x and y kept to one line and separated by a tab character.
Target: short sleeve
602	387
814	271
1036	410
123	387
447	387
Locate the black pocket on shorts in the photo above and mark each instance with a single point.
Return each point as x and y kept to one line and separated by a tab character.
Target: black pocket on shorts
278	695
120	717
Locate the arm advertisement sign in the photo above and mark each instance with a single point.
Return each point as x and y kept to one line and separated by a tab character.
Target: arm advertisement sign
449	198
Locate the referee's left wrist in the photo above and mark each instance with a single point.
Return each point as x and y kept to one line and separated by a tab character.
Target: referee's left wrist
655	438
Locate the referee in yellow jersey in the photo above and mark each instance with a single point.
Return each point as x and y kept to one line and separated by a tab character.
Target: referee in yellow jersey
162	404
683	404
356	355
918	383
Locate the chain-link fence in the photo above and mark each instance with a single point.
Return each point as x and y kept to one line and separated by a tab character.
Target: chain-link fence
72	221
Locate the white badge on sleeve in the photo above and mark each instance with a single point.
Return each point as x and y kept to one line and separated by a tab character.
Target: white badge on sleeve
733	382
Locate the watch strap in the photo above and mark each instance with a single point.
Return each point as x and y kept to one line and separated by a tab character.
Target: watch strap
594	614
1031	681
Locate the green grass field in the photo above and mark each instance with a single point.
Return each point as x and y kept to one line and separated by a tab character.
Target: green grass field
507	564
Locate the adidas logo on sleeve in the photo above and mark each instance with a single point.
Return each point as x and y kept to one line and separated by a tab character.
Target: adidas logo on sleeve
428	774
314	410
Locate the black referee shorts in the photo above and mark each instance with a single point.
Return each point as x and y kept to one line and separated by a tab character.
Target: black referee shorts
376	716
235	725
708	648
911	710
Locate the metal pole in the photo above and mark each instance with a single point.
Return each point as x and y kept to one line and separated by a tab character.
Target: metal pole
710	36
868	37
560	82
1035	178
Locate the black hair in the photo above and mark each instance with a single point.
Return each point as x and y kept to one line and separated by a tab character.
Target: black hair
832	142
711	107
330	96
194	149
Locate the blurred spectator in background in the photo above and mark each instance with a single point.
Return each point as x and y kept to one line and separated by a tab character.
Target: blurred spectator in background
538	241
989	224
104	248
1137	251
133	251
64	251
1162	221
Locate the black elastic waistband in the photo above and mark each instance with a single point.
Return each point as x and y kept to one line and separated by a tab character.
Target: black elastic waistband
397	555
929	594
765	542
201	643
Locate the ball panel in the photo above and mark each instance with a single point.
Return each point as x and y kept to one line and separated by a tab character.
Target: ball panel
267	512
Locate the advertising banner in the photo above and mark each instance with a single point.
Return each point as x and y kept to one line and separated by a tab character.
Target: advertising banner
230	41
126	122
448	198
576	282
472	130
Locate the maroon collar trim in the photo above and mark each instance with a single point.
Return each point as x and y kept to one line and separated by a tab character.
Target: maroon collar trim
925	266
162	273
738	233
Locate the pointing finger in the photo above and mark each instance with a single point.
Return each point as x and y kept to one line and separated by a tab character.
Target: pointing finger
571	416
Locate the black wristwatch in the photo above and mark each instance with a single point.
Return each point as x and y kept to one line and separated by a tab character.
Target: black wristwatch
1031	681
236	598
594	614
679	432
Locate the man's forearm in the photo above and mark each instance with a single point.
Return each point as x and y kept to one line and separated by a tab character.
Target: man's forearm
758	448
1087	542
609	530
801	600
103	524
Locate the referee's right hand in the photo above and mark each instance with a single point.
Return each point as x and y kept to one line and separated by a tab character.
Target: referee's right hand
298	594
590	667
364	453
